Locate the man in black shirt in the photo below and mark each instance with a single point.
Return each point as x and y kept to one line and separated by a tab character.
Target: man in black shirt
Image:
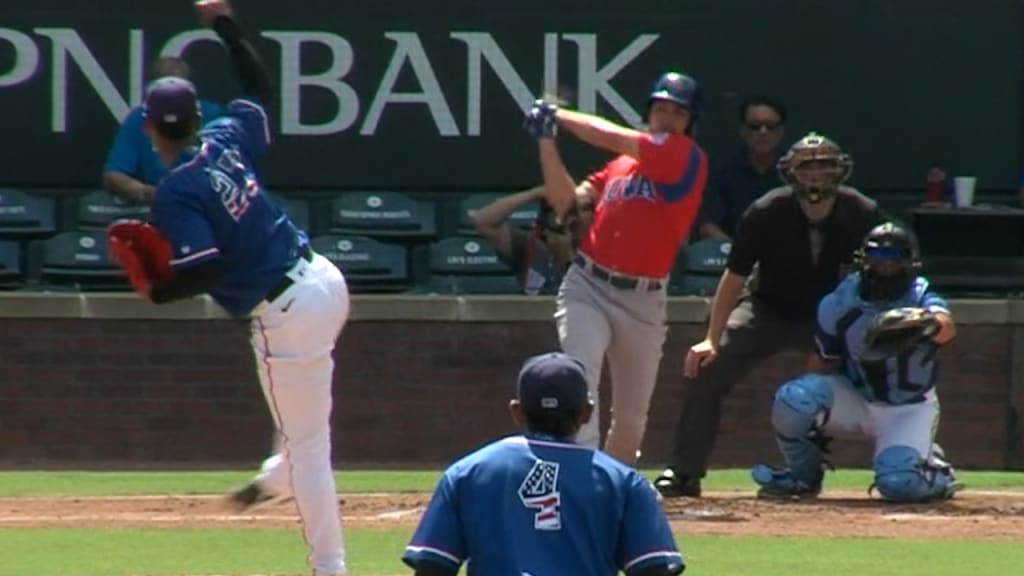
753	170
794	244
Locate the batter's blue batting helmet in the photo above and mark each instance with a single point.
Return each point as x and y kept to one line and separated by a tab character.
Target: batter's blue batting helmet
681	89
678	88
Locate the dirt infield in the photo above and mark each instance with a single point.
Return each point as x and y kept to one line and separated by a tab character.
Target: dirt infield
971	516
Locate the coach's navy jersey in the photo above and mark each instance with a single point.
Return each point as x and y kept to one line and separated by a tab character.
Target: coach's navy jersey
211	205
843	319
537	506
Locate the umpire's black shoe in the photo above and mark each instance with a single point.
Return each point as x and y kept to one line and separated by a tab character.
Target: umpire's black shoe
671	485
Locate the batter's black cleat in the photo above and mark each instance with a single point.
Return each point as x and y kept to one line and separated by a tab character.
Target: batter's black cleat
671	485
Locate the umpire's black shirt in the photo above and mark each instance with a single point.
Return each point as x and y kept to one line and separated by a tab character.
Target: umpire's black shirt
774	235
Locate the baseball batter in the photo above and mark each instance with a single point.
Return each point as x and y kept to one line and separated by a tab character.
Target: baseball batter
537	504
229	240
889	397
612	300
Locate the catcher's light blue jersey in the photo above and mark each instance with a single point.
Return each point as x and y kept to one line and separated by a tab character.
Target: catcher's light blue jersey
539	506
211	205
843	319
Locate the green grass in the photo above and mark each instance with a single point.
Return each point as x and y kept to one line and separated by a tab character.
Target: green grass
168	551
37	552
114	483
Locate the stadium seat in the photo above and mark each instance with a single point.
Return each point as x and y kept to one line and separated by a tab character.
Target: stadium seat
700	266
24	216
96	210
296	208
368	265
523	217
463	265
77	260
11	272
383	215
976	254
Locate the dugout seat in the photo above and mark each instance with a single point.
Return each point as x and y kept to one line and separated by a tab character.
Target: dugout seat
12	274
975	253
699	267
368	264
523	217
383	215
75	260
25	216
296	208
465	265
96	210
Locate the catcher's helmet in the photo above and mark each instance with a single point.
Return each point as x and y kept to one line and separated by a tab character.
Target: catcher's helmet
681	89
815	167
888	261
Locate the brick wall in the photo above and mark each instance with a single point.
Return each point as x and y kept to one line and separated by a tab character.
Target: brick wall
81	392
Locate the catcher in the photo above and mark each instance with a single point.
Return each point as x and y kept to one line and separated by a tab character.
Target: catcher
878	334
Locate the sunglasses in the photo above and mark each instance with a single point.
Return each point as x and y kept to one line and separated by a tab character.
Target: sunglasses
885	254
761	126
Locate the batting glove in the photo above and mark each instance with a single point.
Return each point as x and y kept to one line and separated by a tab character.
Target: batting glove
540	121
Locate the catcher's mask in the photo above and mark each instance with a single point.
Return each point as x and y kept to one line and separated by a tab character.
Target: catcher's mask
815	167
888	261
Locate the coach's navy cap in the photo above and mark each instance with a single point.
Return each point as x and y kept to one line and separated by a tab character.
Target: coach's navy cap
553	382
171	100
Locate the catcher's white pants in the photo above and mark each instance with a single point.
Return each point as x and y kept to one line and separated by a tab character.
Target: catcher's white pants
293	339
911	425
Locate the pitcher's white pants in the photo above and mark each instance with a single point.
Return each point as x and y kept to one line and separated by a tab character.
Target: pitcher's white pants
293	339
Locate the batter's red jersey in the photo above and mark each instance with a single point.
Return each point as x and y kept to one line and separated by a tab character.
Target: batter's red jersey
645	207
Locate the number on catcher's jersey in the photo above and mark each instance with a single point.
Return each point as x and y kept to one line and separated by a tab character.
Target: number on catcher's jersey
843	321
539	491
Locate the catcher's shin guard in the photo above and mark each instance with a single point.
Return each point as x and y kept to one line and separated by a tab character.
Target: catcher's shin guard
780	484
902	475
800	410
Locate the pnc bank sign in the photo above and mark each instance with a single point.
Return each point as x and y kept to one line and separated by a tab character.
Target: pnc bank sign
47	55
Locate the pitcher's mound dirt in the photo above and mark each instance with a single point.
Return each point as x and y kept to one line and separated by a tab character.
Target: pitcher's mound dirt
971	515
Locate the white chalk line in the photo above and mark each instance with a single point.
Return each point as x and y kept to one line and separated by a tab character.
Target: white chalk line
1010	493
179	518
201	497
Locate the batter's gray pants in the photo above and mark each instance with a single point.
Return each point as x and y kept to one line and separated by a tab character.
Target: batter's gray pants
753	333
596	320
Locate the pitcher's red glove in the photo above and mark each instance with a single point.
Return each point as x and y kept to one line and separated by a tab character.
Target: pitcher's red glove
142	253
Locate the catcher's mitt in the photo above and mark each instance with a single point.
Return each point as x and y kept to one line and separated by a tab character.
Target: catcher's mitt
142	253
896	331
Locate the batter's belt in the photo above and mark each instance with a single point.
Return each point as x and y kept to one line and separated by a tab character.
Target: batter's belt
621	281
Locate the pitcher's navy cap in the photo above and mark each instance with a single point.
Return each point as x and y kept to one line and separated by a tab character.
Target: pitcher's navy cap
171	100
552	382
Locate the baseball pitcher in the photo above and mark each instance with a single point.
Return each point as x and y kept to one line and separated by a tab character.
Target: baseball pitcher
226	238
612	301
878	334
540	504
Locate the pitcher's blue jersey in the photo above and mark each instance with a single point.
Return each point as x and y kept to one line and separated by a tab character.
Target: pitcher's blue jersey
211	205
843	319
534	505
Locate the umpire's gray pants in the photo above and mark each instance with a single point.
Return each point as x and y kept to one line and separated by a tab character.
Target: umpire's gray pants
596	320
753	333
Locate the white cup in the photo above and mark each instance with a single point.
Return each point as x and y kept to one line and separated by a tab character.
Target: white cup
963	190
